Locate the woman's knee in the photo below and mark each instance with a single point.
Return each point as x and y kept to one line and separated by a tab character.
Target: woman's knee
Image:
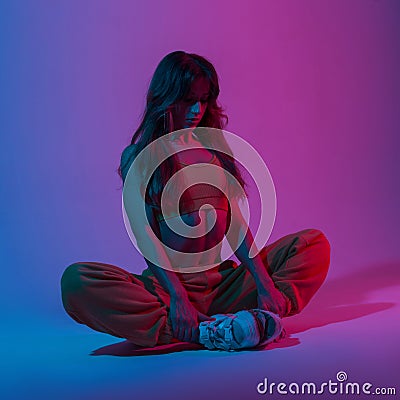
74	290
316	237
72	282
313	235
319	252
71	277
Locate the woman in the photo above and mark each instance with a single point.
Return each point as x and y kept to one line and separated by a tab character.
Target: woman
228	306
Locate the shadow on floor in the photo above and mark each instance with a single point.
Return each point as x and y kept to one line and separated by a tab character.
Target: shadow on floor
346	298
126	348
339	299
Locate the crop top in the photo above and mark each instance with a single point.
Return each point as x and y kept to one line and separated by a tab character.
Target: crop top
200	193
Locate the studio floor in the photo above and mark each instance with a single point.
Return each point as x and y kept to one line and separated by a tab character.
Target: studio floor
351	326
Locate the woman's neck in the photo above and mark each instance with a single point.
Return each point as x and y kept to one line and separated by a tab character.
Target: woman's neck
186	137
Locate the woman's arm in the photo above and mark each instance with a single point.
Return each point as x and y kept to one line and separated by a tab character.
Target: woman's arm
143	230
184	317
268	295
167	278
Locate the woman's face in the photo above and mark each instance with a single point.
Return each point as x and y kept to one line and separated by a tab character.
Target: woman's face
188	112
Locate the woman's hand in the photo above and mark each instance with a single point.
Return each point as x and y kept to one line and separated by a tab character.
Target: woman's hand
185	319
271	299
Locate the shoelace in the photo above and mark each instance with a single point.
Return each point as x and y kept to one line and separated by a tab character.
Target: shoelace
218	334
210	333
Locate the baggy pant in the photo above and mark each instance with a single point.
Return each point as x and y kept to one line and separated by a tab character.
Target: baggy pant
136	307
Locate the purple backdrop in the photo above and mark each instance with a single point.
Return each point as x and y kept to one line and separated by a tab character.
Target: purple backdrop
313	86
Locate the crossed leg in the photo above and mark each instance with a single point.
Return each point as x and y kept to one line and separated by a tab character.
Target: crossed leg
136	307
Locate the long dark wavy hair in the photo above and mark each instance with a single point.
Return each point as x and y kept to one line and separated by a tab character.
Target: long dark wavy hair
171	83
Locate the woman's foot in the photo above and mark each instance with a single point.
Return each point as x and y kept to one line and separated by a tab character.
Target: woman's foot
244	329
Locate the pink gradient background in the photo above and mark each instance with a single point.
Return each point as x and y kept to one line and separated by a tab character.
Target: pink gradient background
312	85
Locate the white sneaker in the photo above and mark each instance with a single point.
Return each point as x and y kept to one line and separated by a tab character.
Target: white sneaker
244	329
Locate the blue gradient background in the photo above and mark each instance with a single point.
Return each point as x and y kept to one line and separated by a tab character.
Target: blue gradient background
313	86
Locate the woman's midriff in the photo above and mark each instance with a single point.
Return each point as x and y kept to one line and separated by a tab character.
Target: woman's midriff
198	244
205	241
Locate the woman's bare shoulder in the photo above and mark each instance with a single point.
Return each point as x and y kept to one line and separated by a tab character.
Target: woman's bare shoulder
127	157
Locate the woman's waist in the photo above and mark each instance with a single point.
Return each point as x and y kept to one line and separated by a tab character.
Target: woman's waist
187	206
201	277
190	278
